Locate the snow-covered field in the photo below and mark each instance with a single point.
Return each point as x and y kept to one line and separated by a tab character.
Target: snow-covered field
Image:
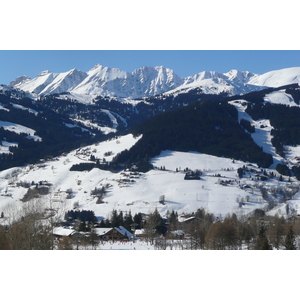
138	245
130	245
219	190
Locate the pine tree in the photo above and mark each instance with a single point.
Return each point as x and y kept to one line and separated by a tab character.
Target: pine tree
120	219
128	220
290	242
173	220
138	219
262	242
114	220
151	228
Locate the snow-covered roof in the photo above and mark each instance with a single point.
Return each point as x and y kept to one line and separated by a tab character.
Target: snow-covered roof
139	231
101	231
123	231
63	231
182	219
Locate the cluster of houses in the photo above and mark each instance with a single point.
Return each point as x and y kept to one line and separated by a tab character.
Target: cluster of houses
110	234
116	233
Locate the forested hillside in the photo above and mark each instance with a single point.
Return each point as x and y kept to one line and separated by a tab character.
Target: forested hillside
52	133
209	127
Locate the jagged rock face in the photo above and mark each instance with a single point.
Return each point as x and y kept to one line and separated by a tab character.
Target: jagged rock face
150	81
142	82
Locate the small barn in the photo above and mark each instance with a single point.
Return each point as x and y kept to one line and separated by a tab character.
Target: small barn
191	175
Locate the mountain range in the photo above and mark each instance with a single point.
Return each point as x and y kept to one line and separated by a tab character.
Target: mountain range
150	81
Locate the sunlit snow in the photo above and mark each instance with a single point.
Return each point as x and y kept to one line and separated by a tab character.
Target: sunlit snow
19	129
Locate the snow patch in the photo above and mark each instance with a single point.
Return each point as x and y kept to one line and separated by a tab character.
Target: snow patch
20	129
280	97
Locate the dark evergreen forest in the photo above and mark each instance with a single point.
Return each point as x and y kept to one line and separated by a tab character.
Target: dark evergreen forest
49	125
209	127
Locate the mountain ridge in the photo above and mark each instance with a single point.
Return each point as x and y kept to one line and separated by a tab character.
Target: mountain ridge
149	81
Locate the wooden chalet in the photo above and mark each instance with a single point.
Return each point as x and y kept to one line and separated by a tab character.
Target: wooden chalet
116	233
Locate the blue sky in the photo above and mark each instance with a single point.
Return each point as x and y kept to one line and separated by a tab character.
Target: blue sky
14	63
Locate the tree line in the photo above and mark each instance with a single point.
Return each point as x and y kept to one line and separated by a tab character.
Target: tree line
206	231
31	228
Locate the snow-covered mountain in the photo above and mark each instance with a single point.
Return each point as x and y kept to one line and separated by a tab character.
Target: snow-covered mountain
150	81
19	80
50	83
233	83
277	78
104	81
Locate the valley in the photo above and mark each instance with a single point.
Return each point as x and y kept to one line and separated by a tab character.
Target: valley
226	144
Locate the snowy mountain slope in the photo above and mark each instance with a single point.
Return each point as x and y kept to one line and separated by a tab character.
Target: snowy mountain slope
142	82
277	78
64	82
37	130
37	84
101	81
19	80
240	76
214	85
262	135
149	81
4	148
280	97
111	115
9	90
156	80
17	128
219	191
18	106
49	83
57	172
105	129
